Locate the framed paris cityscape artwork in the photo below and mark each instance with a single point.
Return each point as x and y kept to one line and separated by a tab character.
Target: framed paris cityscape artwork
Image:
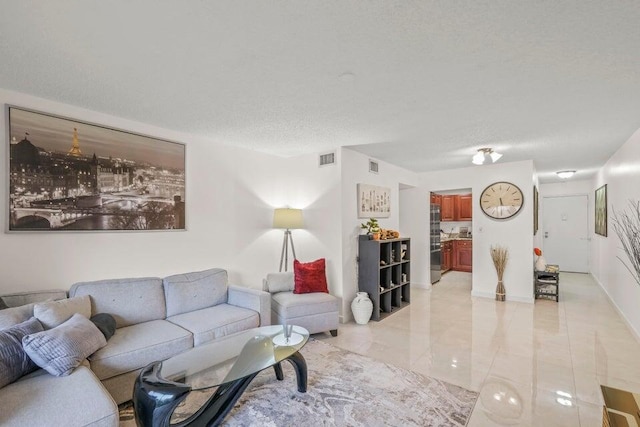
66	174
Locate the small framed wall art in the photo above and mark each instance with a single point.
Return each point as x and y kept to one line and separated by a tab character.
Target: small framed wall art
373	201
601	211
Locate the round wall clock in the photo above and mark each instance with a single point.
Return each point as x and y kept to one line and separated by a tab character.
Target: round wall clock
501	200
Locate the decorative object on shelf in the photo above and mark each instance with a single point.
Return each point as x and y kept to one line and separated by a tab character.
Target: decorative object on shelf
372	227
627	227
362	308
389	234
501	200
289	219
70	175
601	211
404	277
374	201
500	256
541	264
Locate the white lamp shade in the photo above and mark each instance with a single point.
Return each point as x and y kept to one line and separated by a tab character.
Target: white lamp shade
495	156
478	158
287	218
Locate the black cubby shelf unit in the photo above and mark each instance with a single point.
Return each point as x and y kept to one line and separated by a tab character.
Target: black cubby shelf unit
384	272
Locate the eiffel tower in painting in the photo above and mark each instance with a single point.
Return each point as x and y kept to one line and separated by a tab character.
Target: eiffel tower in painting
75	149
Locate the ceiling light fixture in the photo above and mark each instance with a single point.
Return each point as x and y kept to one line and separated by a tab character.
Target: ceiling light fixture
565	174
479	157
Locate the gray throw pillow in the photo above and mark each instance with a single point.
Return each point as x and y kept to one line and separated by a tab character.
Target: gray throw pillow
3	305
14	362
54	313
62	349
280	282
106	323
13	315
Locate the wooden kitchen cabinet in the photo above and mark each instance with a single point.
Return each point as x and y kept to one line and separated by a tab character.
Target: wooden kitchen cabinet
447	208
447	256
455	207
462	255
436	199
465	207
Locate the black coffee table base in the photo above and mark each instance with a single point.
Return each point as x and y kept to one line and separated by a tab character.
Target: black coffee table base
155	399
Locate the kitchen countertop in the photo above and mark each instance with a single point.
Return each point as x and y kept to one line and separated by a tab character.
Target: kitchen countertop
449	239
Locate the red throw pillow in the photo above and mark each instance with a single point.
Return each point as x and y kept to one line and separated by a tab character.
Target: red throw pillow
309	277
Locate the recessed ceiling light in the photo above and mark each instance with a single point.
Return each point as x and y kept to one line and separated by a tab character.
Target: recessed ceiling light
347	77
565	174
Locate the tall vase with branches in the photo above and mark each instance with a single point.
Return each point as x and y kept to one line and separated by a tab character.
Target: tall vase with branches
627	226
500	256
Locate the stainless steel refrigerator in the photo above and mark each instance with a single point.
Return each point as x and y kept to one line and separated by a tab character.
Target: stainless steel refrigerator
434	247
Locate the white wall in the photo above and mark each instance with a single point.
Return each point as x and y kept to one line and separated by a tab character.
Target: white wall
230	198
355	170
621	173
516	233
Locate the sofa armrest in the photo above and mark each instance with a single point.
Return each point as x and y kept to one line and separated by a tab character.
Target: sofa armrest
253	299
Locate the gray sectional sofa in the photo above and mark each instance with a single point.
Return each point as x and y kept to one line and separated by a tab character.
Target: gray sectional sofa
155	319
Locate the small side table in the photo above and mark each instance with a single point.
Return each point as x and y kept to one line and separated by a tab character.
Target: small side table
547	283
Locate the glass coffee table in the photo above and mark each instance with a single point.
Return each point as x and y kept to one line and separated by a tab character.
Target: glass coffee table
229	363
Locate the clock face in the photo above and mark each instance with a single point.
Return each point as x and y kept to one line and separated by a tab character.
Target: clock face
501	200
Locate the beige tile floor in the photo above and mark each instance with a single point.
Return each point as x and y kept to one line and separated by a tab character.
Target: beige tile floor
533	364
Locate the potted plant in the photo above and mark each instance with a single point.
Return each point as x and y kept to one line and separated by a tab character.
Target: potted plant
372	227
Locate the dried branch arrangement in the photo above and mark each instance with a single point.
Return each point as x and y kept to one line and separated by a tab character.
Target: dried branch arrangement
627	227
500	256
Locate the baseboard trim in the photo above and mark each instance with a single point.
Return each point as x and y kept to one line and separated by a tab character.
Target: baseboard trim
620	312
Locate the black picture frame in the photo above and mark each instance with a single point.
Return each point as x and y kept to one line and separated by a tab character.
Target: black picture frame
71	175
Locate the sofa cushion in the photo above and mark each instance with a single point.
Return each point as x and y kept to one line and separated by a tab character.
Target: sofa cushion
211	323
54	313
129	301
14	315
78	399
295	305
62	349
134	347
14	362
279	282
193	291
3	305
23	298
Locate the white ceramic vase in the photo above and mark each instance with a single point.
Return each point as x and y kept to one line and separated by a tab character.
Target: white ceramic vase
362	307
541	264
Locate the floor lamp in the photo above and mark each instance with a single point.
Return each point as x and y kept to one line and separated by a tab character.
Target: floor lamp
288	219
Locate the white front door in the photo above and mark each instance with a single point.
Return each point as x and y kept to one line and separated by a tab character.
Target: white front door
565	232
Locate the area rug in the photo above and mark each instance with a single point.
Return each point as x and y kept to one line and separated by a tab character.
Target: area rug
344	389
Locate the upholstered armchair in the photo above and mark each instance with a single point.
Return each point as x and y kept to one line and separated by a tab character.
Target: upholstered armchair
315	311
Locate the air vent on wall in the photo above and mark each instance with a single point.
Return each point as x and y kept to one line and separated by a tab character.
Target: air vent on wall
373	166
327	159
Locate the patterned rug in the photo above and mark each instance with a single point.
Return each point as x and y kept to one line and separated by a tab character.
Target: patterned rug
344	389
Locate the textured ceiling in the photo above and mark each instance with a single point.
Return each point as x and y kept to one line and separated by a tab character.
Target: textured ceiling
416	83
